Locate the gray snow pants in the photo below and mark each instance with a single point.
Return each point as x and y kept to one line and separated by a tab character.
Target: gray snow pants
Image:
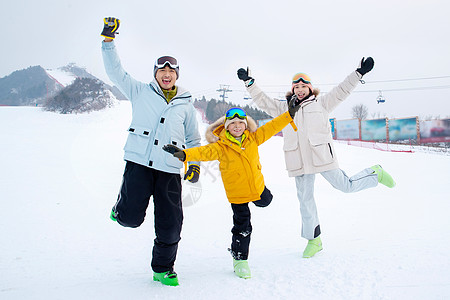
339	180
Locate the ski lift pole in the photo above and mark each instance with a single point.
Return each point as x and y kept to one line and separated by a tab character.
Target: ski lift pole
224	89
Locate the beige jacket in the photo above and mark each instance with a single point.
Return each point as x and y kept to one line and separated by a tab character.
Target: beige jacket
309	150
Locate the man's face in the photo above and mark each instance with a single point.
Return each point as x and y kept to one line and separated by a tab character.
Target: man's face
166	77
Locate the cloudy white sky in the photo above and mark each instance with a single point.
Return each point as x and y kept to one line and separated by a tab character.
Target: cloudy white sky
408	39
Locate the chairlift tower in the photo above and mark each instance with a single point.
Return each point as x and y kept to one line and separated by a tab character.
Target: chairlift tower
224	89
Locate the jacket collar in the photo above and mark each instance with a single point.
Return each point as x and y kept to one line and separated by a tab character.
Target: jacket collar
181	92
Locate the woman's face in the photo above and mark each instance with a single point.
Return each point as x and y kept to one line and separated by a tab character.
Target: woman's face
301	90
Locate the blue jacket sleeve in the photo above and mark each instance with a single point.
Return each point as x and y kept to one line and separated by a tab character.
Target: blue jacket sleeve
193	138
127	85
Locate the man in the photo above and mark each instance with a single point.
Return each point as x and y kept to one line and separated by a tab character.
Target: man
162	113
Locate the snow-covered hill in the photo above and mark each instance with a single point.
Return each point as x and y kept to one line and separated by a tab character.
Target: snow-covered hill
64	78
59	178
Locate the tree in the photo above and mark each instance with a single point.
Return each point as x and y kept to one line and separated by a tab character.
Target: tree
83	95
360	111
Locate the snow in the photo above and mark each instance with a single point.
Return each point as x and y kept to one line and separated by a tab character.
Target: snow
62	77
59	178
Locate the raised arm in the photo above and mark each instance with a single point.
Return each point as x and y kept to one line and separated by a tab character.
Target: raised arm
271	128
269	105
129	86
339	93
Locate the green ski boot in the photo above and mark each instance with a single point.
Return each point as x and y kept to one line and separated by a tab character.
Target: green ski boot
313	247
166	278
241	268
383	176
113	215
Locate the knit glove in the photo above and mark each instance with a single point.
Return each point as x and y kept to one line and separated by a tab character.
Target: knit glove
245	76
293	107
175	151
193	173
365	66
110	27
290	96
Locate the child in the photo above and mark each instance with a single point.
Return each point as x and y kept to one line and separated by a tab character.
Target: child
310	150
233	141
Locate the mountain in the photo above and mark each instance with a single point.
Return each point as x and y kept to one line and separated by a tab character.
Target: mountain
67	74
27	87
83	95
32	86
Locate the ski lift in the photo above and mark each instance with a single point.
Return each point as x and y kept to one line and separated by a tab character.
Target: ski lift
380	98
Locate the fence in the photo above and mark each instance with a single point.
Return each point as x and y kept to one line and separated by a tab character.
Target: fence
385	130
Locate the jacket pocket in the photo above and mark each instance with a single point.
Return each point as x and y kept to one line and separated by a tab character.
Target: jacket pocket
138	139
322	150
234	183
316	120
172	160
292	156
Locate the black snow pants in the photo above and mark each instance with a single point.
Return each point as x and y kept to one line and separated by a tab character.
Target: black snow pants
138	185
242	227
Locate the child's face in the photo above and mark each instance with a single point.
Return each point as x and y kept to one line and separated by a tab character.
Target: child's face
301	90
236	128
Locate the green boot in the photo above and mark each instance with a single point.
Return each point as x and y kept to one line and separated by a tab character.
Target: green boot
113	215
313	247
241	268
166	278
383	176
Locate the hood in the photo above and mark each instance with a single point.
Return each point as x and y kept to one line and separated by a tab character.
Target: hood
214	130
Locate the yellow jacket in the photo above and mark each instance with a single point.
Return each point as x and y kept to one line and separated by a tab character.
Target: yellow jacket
239	166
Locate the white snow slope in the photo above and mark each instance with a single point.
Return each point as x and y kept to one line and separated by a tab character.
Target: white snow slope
59	178
62	77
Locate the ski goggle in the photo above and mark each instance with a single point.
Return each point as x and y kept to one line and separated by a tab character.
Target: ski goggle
164	60
235	112
301	77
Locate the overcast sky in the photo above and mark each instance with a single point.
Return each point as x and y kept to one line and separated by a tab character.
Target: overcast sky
408	39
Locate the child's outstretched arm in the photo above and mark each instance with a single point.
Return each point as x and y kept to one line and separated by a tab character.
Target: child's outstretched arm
202	153
193	172
271	128
175	151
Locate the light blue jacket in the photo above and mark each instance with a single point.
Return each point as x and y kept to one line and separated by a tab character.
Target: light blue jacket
154	121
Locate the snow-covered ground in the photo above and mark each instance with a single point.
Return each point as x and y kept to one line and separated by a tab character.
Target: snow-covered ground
59	178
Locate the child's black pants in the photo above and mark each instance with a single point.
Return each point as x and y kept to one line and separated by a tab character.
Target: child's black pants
242	227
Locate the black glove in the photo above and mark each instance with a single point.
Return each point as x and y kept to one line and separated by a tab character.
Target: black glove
175	151
110	27
365	66
292	97
243	74
193	173
293	106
